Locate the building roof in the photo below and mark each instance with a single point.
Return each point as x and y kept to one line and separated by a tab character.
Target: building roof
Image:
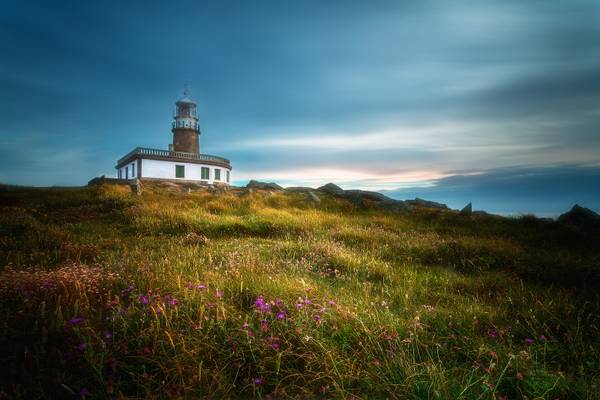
177	156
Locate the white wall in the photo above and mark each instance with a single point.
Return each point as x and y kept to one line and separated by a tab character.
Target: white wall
128	171
166	170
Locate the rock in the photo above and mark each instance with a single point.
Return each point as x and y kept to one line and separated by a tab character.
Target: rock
298	189
580	216
312	197
426	203
467	210
365	195
136	187
263	185
394	205
332	188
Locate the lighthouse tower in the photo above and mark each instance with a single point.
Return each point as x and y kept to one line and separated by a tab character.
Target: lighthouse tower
185	128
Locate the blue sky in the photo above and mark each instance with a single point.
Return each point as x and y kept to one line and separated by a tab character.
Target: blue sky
495	102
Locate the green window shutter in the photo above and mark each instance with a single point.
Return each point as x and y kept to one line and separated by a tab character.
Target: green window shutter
217	174
205	173
180	171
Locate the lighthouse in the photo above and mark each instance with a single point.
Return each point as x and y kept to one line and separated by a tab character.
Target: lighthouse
183	160
186	129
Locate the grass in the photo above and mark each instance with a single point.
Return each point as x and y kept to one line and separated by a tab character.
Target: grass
265	295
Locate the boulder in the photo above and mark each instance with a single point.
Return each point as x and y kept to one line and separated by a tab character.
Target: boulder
365	195
467	210
580	216
263	185
426	203
294	189
332	188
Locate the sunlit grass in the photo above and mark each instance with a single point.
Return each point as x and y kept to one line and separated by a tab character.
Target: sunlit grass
168	295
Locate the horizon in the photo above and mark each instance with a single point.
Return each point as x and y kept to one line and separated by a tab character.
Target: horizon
494	103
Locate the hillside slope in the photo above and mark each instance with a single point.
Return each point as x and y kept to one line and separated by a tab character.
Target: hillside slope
104	294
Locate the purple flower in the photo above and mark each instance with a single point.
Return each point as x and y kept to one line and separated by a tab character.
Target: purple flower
108	335
299	306
317	318
144	300
529	341
261	305
81	346
281	315
174	302
201	286
76	320
258	381
331	303
245	325
275	344
493	333
542	338
218	294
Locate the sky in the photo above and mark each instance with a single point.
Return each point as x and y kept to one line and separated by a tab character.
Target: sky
493	102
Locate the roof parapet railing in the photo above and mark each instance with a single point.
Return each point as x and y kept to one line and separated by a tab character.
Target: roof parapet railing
168	153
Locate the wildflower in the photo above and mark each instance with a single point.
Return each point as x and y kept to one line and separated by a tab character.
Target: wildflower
146	350
83	393
519	376
258	381
218	294
245	325
275	344
76	320
144	300
81	346
317	319
281	315
331	303
493	333
174	302
529	341
542	338
108	335
494	354
201	286
299	306
261	305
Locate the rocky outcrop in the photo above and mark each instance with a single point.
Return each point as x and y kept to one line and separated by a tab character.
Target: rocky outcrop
332	189
263	185
417	202
467	210
580	216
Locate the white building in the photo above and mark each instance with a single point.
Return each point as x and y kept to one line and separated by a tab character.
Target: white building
183	160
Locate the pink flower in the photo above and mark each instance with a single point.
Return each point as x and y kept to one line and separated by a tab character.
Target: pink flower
281	315
218	294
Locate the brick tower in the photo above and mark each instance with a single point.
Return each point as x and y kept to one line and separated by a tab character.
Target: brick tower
186	130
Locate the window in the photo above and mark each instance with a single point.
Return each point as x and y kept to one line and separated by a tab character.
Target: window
180	171
217	174
205	173
227	176
120	173
126	172
133	170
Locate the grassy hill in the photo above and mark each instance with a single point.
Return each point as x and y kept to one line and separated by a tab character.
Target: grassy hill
104	294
